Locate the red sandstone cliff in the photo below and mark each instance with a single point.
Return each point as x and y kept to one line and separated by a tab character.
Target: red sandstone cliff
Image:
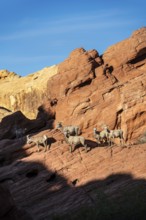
108	180
87	98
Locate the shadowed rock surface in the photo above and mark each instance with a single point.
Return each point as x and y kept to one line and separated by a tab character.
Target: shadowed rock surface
110	180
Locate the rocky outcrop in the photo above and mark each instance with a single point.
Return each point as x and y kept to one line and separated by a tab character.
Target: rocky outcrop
89	99
25	94
6	76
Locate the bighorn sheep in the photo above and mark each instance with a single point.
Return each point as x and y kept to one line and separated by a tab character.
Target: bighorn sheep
104	134
72	130
73	141
101	136
116	134
38	140
19	132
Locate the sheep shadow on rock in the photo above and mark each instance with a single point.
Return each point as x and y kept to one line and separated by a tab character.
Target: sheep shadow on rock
93	144
75	147
50	141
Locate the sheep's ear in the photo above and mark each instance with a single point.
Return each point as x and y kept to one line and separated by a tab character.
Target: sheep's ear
102	126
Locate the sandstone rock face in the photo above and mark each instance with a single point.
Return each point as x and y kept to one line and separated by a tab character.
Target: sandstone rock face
89	99
25	94
5	75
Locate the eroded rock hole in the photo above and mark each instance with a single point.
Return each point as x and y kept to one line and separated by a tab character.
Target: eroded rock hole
74	182
141	56
32	173
86	83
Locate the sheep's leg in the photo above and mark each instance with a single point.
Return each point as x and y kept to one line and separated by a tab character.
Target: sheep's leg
98	141
48	147
38	147
86	148
70	148
122	141
110	142
45	146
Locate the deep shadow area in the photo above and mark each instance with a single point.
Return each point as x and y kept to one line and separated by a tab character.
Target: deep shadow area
110	69
11	150
17	120
119	196
86	83
42	194
81	84
47	112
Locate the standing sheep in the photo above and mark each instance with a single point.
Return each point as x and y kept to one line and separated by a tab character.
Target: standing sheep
104	135
116	134
20	132
72	130
38	140
73	141
101	136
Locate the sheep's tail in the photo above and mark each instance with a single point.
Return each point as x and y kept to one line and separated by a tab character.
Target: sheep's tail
45	137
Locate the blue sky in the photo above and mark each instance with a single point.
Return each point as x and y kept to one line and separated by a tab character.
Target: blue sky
39	33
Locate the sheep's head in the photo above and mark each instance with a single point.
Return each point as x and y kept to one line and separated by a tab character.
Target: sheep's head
66	134
59	125
105	127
